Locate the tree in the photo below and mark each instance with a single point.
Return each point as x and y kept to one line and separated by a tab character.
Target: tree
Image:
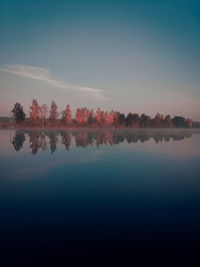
132	120
85	115
129	119
121	118
43	112
53	112
168	122
35	111
109	118
179	121
79	118
116	118
18	113
99	114
145	121
91	118
82	116
156	120
189	123
66	115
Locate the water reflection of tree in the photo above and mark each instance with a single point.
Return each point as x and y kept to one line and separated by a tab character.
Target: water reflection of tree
53	139
106	138
18	140
81	139
43	141
34	140
66	139
84	138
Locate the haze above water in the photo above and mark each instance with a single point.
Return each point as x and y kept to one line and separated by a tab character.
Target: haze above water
82	190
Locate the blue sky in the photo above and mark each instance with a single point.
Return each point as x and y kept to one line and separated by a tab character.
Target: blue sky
138	56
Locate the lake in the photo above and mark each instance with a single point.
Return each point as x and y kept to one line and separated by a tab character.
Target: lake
88	190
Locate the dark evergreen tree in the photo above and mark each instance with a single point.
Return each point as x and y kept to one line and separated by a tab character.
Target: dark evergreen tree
18	113
129	119
179	121
121	118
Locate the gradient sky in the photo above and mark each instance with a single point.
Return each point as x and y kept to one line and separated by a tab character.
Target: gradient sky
138	56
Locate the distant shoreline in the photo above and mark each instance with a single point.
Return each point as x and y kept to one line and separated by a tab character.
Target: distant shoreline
94	128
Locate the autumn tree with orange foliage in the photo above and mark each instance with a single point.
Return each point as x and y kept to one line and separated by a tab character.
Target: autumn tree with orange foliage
67	115
35	112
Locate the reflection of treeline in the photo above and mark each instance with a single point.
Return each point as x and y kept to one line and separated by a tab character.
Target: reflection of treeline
42	116
83	138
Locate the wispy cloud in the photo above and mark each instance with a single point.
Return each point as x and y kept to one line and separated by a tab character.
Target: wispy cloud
183	99
45	75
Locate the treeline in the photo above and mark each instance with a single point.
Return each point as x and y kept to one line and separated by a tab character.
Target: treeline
42	116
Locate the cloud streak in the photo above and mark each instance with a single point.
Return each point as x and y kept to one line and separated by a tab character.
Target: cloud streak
44	75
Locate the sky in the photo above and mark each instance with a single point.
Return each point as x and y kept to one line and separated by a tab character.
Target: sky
131	56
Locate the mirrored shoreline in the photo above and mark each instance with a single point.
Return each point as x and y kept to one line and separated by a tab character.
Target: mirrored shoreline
38	139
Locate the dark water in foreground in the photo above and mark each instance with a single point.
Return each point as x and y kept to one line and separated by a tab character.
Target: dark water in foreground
88	190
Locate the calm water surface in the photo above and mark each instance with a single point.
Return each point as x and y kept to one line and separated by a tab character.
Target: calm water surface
87	190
